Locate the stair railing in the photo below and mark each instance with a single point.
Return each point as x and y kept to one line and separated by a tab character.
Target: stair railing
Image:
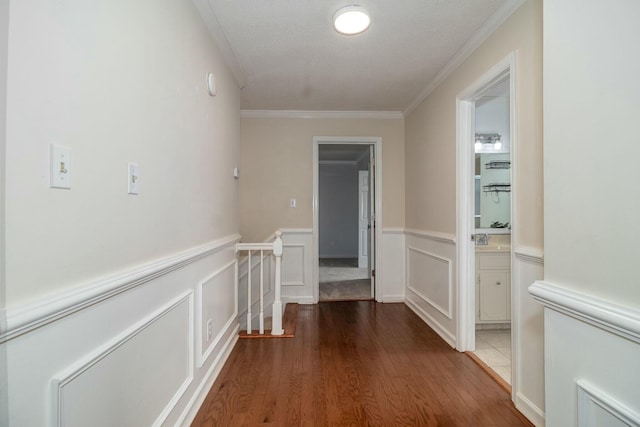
275	248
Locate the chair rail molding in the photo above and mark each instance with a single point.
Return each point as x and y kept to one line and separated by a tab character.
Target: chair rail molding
620	320
21	320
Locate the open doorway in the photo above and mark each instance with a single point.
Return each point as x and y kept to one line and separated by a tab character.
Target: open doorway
492	233
344	222
486	145
345	204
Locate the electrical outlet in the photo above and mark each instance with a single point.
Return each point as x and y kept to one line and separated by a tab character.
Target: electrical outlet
209	329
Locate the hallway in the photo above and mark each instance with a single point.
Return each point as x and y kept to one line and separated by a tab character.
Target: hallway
355	363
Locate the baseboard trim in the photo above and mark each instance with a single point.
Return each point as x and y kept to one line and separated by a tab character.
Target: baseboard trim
392	298
196	401
25	319
432	323
529	410
298	300
622	321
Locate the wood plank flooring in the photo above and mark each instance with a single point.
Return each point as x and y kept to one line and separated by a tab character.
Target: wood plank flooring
356	363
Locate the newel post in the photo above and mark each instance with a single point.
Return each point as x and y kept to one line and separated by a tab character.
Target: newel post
277	303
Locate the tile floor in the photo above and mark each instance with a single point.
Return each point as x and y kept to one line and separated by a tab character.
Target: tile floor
493	347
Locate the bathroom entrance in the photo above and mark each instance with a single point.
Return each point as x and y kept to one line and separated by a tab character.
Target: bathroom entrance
485	167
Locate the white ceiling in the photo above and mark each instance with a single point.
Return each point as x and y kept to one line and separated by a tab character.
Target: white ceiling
286	55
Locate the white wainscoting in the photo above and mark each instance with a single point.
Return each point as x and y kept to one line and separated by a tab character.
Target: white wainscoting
127	350
592	354
527	335
430	281
392	279
211	291
297	266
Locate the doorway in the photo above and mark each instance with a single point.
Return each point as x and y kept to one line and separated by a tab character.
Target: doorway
485	168
346	198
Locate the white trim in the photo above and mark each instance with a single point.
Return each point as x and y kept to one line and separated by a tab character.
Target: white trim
296	230
446	312
529	254
215	30
298	300
201	357
529	410
393	299
465	126
393	231
432	235
488	28
364	140
433	323
302	114
67	376
25	319
590	396
617	319
196	401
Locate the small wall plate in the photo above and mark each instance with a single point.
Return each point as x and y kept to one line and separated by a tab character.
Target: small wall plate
211	84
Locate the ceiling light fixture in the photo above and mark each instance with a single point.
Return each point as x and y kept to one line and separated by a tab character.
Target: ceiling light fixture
351	20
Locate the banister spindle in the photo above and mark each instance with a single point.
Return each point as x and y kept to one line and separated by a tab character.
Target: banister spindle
261	292
249	296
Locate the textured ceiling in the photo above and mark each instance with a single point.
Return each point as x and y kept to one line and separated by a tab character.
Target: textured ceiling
287	56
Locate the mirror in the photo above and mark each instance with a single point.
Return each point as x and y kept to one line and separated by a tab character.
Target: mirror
493	161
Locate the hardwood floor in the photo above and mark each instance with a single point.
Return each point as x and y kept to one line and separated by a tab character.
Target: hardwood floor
358	363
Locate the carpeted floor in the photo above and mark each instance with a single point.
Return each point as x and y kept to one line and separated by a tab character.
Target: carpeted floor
342	280
348	290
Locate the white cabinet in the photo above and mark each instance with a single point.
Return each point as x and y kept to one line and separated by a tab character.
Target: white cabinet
493	288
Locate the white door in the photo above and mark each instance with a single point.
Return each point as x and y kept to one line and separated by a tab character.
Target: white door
363	219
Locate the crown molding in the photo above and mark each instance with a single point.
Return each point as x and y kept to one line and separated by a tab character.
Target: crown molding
305	114
488	28
220	38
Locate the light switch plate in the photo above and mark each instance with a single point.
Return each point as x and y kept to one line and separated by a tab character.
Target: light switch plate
133	179
60	167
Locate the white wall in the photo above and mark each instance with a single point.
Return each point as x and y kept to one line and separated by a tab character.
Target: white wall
591	292
104	288
4	33
338	209
122	84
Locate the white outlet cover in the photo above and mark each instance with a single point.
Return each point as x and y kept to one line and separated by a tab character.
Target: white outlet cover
60	168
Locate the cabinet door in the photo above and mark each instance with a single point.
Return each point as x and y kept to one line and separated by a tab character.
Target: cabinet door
494	295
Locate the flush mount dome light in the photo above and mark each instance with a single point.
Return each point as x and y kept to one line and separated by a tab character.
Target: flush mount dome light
351	20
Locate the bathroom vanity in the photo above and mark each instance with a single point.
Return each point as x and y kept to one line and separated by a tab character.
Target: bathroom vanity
493	283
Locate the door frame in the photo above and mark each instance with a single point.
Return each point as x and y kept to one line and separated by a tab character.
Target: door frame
465	226
376	142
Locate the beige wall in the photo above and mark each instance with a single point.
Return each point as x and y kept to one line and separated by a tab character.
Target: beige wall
431	133
116	81
276	165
